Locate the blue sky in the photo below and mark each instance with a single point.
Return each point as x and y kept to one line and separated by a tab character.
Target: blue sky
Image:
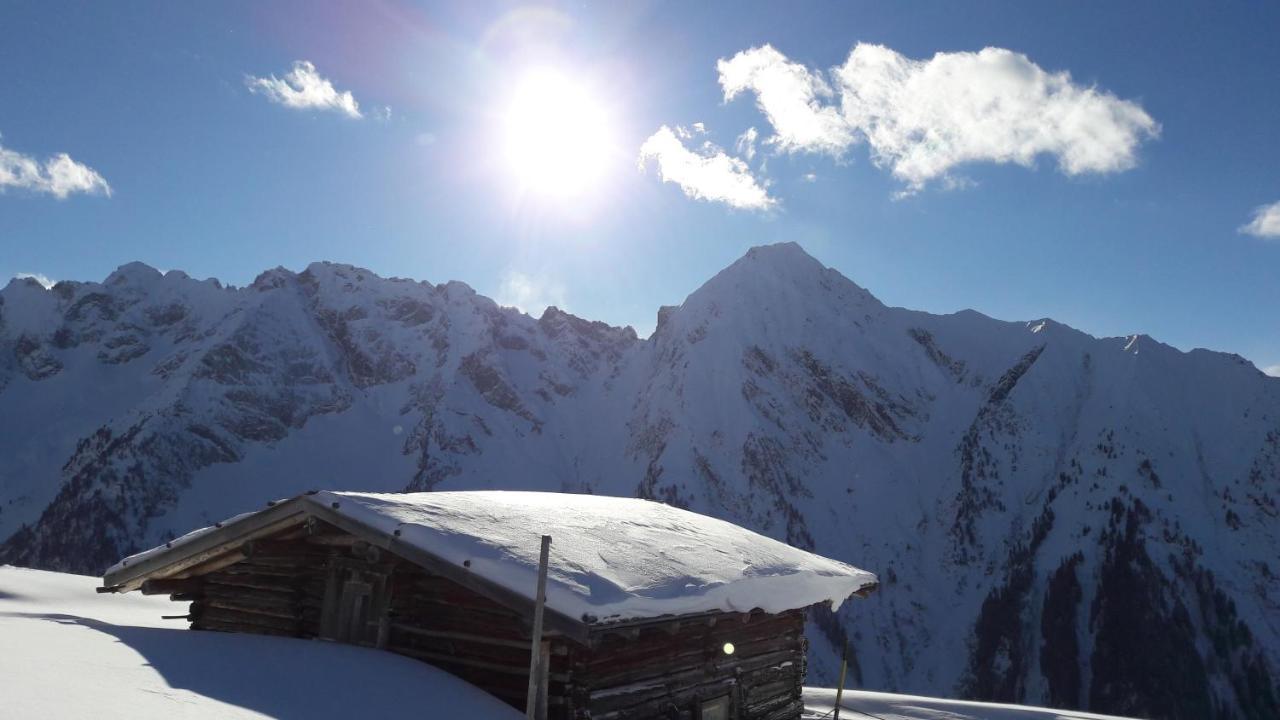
1113	202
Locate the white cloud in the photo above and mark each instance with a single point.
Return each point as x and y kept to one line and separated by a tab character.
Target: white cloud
303	88
921	118
38	277
1273	371
425	139
924	117
59	176
1265	223
708	175
792	97
530	294
746	144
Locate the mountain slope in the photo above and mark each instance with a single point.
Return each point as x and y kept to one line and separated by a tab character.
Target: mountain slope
1038	503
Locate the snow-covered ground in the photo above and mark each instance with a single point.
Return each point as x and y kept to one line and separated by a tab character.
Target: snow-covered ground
67	652
864	705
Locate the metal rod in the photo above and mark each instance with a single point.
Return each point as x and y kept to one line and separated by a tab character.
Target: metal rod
535	710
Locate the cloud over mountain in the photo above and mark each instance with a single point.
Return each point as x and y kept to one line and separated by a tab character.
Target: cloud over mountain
921	119
709	174
58	176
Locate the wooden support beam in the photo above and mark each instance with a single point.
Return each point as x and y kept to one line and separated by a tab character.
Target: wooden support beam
536	701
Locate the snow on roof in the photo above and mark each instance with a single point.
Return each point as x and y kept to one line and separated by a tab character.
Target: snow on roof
612	559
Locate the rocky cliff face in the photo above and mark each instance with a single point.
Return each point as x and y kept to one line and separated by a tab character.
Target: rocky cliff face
1055	518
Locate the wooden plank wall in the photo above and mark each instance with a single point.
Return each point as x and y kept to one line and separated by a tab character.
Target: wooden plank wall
667	671
660	670
277	590
482	642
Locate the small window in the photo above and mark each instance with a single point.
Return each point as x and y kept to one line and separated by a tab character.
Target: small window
715	709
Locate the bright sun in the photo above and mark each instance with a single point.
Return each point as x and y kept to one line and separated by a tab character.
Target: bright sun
557	136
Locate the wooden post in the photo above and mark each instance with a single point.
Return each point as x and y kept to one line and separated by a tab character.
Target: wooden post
535	707
844	664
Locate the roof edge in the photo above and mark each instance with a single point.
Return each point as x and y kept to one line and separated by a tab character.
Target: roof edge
228	537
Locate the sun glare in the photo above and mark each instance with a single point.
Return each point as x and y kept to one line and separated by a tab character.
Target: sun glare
557	136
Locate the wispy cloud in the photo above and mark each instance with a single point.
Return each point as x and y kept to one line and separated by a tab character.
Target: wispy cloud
795	100
530	293
58	176
922	118
709	174
746	144
1273	371
1265	223
303	88
38	277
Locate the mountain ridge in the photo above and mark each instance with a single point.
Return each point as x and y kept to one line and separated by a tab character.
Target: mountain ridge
1035	499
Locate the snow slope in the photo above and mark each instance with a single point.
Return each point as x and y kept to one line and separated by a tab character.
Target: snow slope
67	652
1039	504
862	704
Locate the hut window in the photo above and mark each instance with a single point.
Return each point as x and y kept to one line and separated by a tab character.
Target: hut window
715	709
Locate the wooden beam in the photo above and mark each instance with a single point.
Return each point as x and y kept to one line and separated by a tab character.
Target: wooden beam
536	702
171	586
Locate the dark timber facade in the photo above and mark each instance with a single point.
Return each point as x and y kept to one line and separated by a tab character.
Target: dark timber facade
297	574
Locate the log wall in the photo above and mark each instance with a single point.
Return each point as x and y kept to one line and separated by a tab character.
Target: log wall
663	669
667	670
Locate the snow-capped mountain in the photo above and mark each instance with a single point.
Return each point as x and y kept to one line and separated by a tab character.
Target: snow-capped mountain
1055	518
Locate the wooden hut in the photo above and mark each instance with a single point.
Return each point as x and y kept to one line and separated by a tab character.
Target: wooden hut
649	611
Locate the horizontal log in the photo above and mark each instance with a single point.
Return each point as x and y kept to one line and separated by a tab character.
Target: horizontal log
595	682
465	637
234	627
609	671
223	615
260	582
446	659
285	612
166	586
239	591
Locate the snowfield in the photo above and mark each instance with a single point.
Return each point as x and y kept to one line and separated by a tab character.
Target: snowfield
865	705
68	652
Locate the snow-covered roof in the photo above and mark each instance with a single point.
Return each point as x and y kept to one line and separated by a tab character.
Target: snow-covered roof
612	559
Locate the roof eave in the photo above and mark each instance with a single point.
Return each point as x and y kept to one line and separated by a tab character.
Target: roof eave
223	540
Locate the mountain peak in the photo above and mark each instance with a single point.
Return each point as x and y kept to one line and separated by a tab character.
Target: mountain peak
782	272
134	273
